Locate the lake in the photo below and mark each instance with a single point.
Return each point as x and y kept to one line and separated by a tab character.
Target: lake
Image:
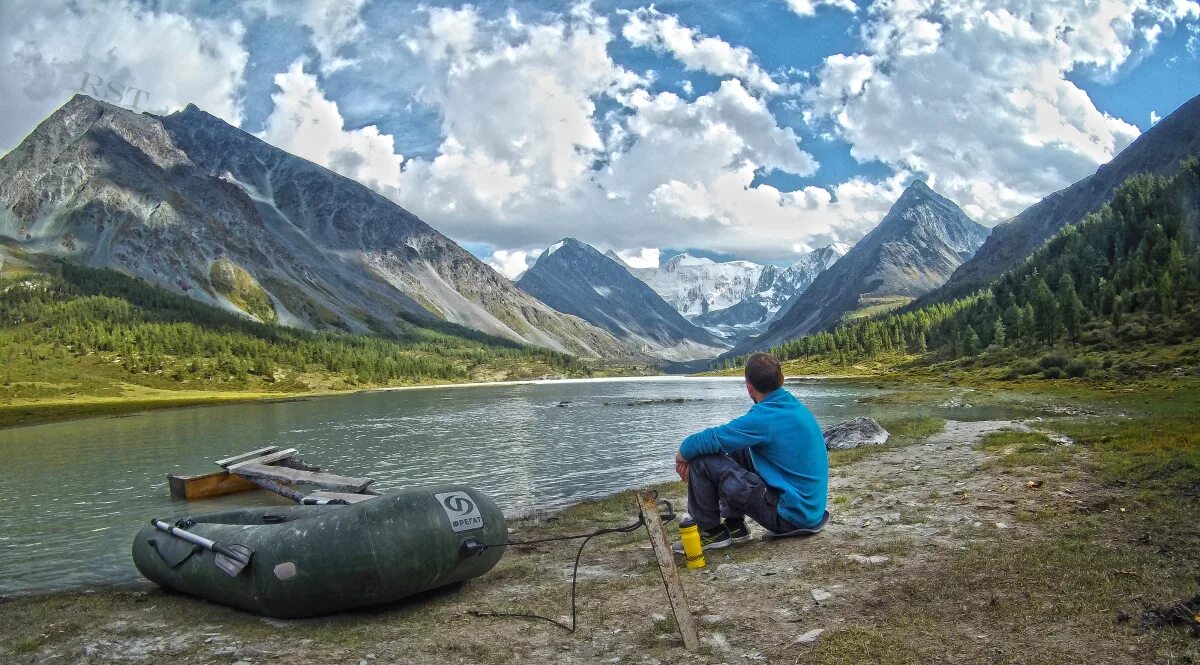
73	494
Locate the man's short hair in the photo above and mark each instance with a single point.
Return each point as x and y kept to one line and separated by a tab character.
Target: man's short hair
764	372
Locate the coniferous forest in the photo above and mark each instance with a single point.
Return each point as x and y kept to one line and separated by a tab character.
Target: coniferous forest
67	314
1125	278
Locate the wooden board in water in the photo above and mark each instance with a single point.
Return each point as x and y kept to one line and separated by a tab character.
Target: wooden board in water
208	485
327	481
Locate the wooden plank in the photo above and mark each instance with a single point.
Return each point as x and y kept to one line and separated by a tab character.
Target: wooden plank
648	503
344	496
270	458
283	474
207	485
279	488
245	456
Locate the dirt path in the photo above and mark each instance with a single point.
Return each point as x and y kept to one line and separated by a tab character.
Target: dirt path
895	513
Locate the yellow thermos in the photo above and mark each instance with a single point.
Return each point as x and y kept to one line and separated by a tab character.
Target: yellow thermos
689	533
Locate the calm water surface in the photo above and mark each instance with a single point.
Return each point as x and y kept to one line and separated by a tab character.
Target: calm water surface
72	495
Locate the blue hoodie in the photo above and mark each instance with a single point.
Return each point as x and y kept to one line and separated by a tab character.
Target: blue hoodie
788	450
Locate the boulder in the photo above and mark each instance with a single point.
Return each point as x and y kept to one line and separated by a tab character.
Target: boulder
860	431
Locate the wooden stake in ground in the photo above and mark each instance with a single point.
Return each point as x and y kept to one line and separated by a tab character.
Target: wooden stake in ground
648	504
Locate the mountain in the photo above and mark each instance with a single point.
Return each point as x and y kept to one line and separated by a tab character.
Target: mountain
612	256
696	285
1160	151
575	278
1123	286
195	205
916	247
776	287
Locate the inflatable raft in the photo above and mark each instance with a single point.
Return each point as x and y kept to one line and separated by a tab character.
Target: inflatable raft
299	561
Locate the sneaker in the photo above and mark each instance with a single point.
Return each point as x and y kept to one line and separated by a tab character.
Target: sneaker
710	540
738	532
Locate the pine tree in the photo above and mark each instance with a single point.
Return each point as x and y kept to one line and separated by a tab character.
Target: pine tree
1046	312
1164	294
970	343
1070	307
998	337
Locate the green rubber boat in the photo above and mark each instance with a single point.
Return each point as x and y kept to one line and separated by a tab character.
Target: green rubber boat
299	561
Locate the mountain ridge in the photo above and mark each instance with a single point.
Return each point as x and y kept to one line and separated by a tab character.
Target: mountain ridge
915	248
575	278
1159	150
165	197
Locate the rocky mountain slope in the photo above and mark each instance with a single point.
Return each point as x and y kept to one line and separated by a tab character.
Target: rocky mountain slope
916	247
193	204
575	278
1160	150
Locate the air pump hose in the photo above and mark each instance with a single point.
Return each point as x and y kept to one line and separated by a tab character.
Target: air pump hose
667	515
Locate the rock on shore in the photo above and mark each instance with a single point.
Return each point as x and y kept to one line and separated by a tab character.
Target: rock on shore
860	431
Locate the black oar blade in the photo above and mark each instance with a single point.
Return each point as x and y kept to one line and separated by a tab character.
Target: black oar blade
233	559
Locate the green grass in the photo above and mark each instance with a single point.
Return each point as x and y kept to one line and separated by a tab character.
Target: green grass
1156	447
1025	449
868	307
920	427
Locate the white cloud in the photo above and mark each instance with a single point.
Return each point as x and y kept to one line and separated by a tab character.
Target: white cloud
305	123
642	257
332	23
525	158
809	7
649	28
975	94
511	264
517	105
154	60
1154	117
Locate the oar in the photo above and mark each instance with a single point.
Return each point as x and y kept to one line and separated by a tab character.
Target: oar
231	559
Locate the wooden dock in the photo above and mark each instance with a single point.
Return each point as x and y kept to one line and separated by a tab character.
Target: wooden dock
280	471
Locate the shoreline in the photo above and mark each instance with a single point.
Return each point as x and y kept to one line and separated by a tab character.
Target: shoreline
51	412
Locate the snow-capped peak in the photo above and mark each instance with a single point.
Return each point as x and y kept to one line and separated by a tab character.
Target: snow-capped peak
695	285
687	260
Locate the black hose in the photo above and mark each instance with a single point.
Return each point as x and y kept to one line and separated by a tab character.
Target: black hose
629	528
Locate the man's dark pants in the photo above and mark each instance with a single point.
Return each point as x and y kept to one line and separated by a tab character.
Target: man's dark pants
727	486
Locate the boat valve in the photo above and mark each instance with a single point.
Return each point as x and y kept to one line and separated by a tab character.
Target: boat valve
470	547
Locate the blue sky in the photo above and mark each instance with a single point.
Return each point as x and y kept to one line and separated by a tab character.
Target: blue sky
751	129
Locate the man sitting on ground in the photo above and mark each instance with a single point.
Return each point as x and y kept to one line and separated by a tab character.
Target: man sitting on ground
769	464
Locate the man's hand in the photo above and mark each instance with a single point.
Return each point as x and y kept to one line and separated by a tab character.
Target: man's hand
681	467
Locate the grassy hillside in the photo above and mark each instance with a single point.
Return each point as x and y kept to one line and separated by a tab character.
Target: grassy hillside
77	340
1118	295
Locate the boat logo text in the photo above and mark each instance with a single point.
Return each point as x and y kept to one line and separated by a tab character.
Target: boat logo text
460	510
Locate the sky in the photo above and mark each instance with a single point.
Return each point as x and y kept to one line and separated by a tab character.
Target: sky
758	130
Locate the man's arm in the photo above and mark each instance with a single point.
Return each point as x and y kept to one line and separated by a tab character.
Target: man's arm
739	433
